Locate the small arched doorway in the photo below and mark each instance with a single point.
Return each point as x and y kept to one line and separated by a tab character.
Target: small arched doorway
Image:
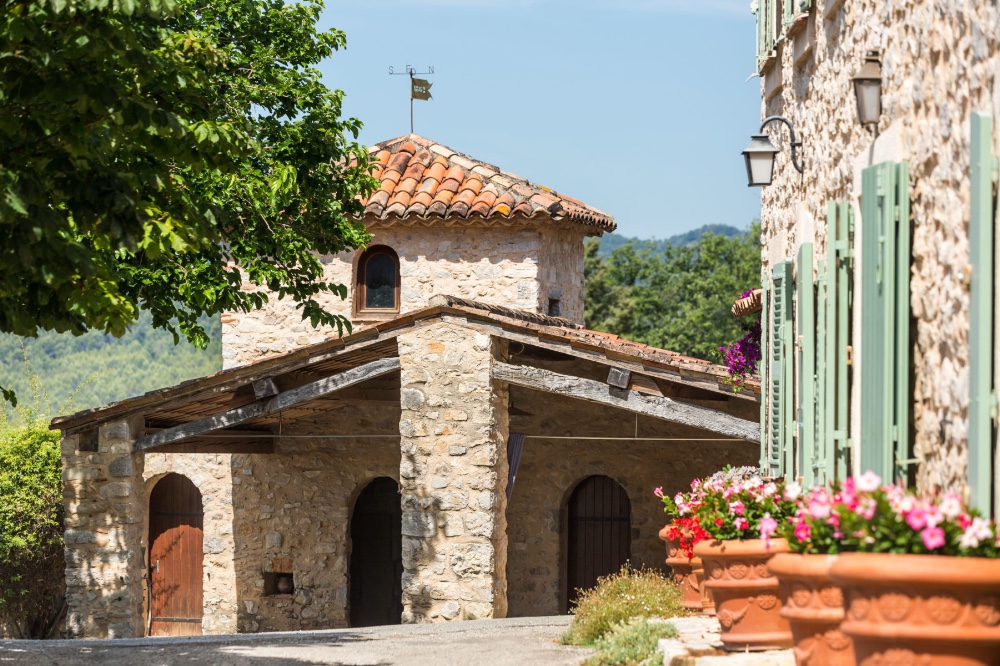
175	557
376	556
599	536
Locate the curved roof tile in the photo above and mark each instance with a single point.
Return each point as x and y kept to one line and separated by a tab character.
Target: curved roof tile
420	177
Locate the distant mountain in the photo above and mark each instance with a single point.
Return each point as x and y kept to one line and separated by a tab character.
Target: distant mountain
95	369
612	241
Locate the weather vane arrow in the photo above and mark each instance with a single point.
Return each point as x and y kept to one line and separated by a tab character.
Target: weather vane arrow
419	88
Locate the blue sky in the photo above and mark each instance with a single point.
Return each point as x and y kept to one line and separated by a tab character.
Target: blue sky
637	107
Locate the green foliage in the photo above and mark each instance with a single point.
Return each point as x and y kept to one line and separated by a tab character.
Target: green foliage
94	369
149	147
678	299
31	525
617	599
632	644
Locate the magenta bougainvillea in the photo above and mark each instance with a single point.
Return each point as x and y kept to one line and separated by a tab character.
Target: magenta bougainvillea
742	356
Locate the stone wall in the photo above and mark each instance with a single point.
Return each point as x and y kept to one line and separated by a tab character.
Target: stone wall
940	63
293	510
212	474
105	514
453	475
551	468
519	266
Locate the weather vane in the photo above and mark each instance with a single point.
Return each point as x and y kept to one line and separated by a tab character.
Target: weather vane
419	88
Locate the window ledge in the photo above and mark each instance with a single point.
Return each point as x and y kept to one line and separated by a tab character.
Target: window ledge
797	25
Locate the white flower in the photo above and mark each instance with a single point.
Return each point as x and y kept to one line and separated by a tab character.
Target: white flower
951	507
869	482
792	491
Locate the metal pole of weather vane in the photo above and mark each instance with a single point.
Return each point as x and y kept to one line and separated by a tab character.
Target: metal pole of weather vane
419	88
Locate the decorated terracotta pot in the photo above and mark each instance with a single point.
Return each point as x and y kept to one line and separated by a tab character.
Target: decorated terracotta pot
930	610
814	607
747	600
707	602
683	570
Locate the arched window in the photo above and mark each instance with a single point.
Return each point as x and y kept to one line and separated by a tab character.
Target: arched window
377	283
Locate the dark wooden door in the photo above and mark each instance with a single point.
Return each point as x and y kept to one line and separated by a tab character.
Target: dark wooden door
599	536
376	556
175	557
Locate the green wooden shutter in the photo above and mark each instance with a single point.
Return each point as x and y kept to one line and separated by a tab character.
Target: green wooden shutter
779	372
806	413
885	335
839	290
766	12
824	462
765	330
981	314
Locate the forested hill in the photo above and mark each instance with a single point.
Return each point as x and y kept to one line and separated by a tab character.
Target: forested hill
94	369
610	242
672	296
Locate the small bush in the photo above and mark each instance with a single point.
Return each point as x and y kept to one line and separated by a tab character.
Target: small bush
631	644
618	598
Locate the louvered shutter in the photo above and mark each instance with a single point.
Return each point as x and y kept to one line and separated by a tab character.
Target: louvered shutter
981	463
838	287
885	343
823	470
780	382
765	330
806	327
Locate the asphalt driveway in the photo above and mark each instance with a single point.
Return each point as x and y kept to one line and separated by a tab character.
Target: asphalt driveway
476	643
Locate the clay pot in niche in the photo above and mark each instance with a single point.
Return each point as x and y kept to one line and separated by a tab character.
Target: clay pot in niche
932	610
684	570
746	595
814	607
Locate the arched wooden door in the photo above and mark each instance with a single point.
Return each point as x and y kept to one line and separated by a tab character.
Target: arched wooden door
175	557
599	535
376	556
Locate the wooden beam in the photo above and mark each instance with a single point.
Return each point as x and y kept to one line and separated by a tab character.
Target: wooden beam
267	406
218	446
265	388
661	408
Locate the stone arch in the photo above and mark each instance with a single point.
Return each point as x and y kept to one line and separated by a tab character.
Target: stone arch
377	282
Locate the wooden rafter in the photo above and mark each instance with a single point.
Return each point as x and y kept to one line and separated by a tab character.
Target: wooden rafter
657	407
270	405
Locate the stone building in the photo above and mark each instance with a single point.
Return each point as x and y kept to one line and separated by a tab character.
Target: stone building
456	457
878	258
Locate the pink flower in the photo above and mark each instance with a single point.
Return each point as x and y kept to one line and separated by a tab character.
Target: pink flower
741	524
718	522
819	504
933	537
737	508
866	508
768	526
869	482
769	489
792	491
658	492
917	518
802	530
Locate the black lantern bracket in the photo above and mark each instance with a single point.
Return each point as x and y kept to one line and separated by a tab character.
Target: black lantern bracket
794	143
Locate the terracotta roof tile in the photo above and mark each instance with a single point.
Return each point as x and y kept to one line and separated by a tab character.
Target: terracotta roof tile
447	175
422	198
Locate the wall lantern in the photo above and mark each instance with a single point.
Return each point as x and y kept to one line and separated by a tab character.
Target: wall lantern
759	155
868	89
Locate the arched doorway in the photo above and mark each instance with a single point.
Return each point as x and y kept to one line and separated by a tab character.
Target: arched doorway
599	535
175	557
376	556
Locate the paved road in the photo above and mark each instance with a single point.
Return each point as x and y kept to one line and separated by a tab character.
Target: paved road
509	642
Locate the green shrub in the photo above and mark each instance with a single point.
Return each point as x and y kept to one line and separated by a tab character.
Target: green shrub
619	598
32	564
631	644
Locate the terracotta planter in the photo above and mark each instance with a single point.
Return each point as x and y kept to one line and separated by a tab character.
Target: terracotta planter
814	607
684	573
707	602
746	595
929	610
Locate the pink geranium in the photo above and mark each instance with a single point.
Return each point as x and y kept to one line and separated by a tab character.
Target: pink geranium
933	537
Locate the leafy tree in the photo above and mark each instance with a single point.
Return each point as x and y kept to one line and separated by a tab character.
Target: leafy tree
678	298
32	563
160	155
